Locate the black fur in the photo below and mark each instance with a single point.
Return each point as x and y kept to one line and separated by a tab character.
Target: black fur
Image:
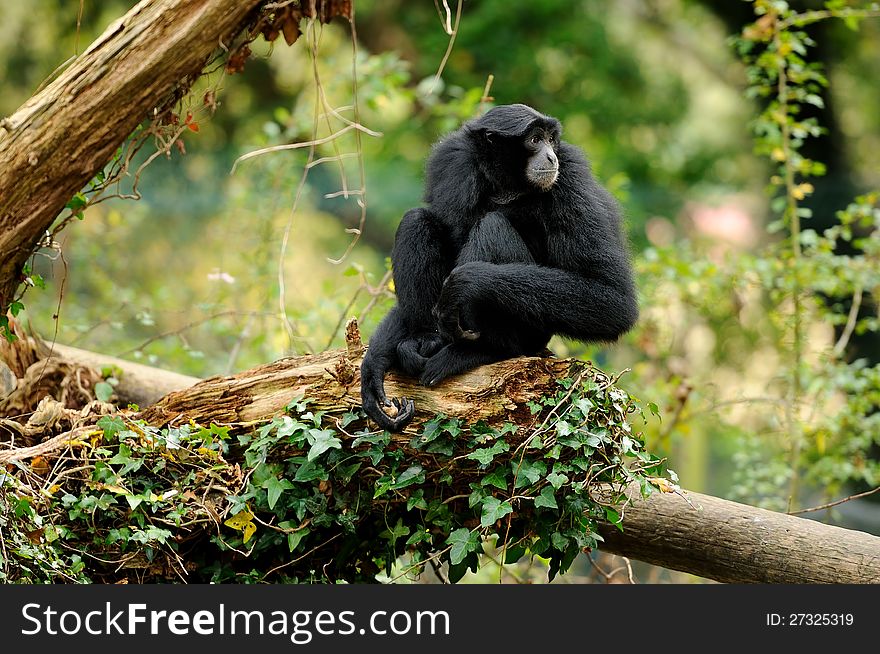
494	266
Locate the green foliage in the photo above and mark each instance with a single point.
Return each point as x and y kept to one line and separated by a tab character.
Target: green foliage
31	553
812	271
314	496
803	418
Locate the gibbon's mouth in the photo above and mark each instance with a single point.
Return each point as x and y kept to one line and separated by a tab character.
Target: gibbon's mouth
544	178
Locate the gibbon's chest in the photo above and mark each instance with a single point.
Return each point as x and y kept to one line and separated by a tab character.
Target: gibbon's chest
527	220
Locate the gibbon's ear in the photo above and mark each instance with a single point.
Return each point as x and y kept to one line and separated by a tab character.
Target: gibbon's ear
483	136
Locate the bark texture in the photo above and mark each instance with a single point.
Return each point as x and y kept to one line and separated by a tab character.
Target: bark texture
495	393
732	542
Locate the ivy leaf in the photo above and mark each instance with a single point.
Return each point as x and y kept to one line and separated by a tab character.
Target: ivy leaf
347	472
557	480
477	497
453	427
392	534
585	405
457	571
243	522
593	440
111	425
514	554
529	472
441	446
430	433
493	510
546	499
463	541
324	440
563	428
382	439
496	478
103	391
613	517
559	541
421	535
383	485
484	455
294	537
274	487
76	204
290	427
412	475
122	457
417	501
309	471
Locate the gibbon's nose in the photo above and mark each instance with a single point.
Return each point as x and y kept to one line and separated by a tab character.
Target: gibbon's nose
551	157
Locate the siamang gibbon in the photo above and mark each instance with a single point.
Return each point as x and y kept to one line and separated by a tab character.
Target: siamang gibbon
518	242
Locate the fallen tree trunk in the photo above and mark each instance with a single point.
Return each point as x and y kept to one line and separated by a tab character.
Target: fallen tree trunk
731	542
702	535
138	384
495	393
62	136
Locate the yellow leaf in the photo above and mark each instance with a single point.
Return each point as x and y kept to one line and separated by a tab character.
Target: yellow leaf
208	452
391	286
664	485
778	154
243	522
49	492
248	531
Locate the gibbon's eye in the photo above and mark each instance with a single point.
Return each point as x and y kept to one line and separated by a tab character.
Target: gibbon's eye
536	139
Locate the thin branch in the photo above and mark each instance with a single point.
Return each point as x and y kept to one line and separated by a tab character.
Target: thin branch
300	558
851	319
832	504
345	155
180	330
362	202
445	16
486	98
437	571
452	36
291	146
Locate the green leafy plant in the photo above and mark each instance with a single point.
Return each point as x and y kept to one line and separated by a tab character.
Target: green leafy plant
797	413
316	496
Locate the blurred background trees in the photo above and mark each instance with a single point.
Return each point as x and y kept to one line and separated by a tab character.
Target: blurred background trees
750	343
